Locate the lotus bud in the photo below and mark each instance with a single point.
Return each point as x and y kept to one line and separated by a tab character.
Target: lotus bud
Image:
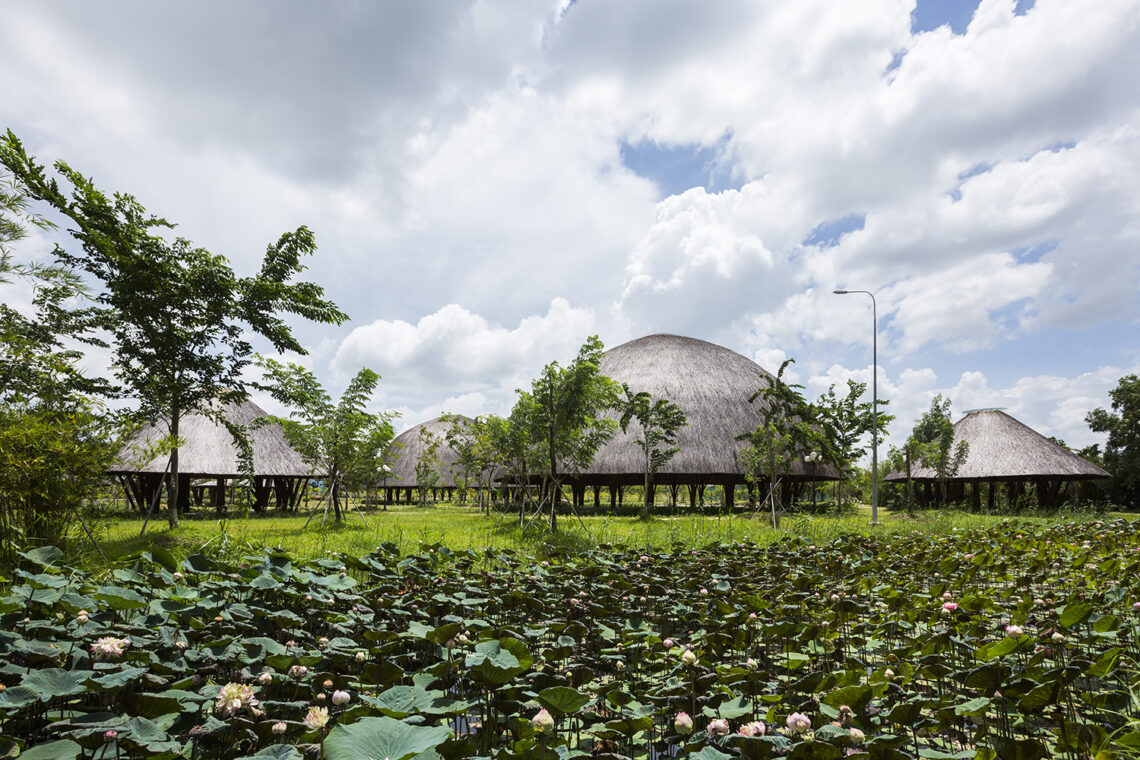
667	643
328	684
688	658
683	724
361	656
279	727
755	728
542	722
341	697
265	678
321	697
178	576
620	665
888	674
799	723
750	664
1058	637
857	736
1014	631
948	607
81	618
323	641
704	592
111	735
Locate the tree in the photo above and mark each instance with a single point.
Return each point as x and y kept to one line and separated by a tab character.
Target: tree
427	464
462	437
933	442
337	439
786	432
56	438
846	420
567	428
178	316
660	421
1122	449
511	450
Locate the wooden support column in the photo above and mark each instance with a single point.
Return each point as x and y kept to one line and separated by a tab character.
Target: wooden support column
729	496
692	496
597	496
613	495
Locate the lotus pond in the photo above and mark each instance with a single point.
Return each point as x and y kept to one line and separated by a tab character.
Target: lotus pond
1017	641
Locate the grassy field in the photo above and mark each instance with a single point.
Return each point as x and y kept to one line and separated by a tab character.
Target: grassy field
465	527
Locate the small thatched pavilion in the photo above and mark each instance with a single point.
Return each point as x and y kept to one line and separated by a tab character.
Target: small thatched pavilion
209	453
1003	450
712	385
407	450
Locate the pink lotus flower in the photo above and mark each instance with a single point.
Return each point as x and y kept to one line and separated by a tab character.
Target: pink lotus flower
234	697
317	718
718	727
755	728
81	618
683	724
688	657
857	736
107	647
341	697
799	723
949	606
1014	631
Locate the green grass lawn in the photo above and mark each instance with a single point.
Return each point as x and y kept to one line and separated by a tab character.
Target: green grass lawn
462	527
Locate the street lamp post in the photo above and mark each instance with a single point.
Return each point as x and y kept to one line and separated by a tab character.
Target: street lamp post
874	402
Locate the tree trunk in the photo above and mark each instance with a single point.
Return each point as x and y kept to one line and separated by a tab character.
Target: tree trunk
648	491
172	496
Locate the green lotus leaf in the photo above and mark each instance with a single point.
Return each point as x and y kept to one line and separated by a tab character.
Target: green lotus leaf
562	700
62	749
119	598
275	752
44	556
381	738
17	696
402	701
973	707
1074	613
55	682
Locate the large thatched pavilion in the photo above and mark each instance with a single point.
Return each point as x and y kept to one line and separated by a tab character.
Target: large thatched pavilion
407	450
1004	451
209	453
712	385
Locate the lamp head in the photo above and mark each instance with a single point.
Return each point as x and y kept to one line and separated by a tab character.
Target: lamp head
839	292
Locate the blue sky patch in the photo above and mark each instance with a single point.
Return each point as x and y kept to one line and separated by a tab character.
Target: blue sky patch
1032	253
677	168
826	234
928	15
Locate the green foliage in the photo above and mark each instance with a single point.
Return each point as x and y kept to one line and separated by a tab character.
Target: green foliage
178	316
1122	450
789	431
564	416
342	441
932	440
660	420
923	644
428	472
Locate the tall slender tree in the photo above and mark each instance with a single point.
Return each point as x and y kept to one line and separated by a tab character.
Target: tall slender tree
567	425
660	420
180	320
337	438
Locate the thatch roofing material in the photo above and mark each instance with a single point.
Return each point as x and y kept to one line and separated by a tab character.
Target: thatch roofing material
406	449
712	385
209	450
1001	448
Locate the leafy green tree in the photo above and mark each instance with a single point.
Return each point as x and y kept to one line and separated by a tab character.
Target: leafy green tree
932	439
428	472
567	428
510	450
847	422
462	437
785	434
179	318
337	439
1122	450
56	439
660	420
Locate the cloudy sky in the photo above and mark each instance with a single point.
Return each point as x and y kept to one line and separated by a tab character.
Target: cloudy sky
492	182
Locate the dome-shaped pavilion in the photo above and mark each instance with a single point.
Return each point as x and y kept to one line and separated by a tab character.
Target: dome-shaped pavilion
409	447
712	385
208	452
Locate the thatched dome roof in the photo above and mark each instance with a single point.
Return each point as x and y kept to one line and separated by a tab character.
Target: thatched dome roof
406	449
712	385
1001	448
209	450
